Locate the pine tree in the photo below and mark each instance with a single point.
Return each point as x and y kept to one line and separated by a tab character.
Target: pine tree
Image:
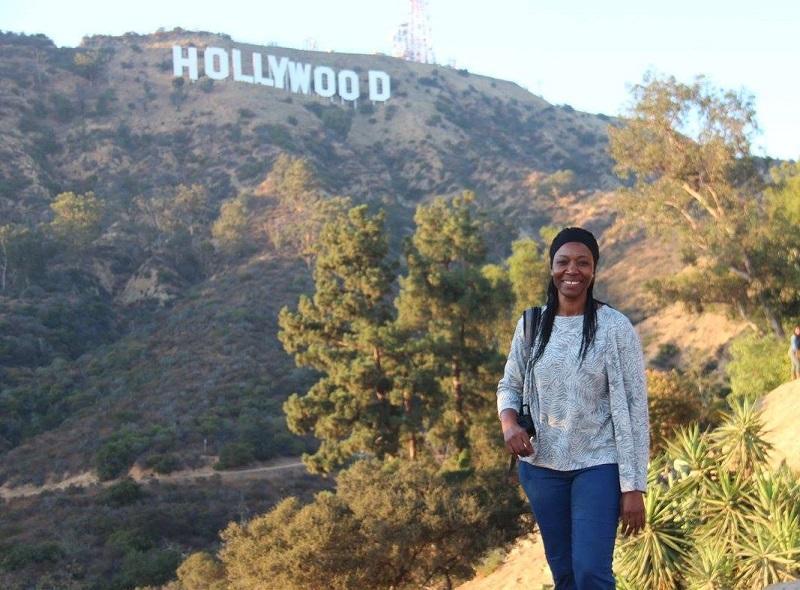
340	332
449	303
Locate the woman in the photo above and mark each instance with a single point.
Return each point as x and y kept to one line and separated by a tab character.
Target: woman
586	466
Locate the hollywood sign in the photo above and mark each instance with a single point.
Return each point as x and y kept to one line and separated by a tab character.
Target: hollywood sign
279	72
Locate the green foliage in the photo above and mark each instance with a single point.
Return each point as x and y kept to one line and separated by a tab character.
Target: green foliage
554	185
201	571
151	567
21	555
449	306
89	62
688	148
164	463
758	365
236	454
529	271
338	121
63	109
76	218
275	134
104	102
302	208
122	493
716	517
118	453
339	333
230	229
24	253
671	403
783	196
666	356
389	525
739	438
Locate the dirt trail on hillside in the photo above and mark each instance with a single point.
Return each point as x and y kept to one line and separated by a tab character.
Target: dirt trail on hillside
88	479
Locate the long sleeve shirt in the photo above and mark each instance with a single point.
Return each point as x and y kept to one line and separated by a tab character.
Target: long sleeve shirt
587	413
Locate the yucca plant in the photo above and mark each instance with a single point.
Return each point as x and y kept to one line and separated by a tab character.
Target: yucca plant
776	492
692	462
727	508
652	559
768	554
710	567
739	441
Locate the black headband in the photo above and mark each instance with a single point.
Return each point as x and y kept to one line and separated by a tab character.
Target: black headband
575	234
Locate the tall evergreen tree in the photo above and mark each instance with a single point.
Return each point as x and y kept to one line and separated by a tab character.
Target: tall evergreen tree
449	302
340	333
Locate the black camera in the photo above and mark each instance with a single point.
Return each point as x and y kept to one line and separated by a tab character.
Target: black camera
525	420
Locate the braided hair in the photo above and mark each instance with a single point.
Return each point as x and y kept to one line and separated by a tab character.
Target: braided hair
549	314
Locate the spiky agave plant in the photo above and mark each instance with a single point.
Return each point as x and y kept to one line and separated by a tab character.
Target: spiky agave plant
709	567
652	560
726	510
739	440
776	492
693	465
770	553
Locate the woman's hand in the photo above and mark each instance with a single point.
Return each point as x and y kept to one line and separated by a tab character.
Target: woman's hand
517	440
631	512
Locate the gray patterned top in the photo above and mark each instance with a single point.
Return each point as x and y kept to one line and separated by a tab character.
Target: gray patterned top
587	415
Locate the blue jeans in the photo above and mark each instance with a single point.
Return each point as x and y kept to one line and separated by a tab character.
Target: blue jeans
577	512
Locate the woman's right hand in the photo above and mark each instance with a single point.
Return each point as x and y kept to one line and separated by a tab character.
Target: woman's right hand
516	438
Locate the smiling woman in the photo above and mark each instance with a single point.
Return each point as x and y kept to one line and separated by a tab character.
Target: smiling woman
581	372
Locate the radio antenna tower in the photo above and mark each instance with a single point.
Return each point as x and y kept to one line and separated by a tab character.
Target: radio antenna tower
412	41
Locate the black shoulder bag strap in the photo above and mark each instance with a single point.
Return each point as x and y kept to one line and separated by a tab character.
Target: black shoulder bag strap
530	324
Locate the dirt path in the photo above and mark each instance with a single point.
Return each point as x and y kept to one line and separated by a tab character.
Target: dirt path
88	479
524	568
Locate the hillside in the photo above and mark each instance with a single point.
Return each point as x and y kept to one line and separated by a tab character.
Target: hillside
149	346
156	333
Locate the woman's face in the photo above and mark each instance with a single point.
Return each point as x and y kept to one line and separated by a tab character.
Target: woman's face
573	269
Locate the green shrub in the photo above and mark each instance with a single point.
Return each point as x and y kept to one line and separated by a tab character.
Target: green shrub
21	555
236	454
147	568
128	540
338	121
63	109
758	365
206	85
166	463
122	493
672	403
118	453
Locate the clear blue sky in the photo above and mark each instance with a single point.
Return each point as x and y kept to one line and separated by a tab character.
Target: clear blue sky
585	53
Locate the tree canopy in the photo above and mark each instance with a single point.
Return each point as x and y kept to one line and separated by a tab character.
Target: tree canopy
687	147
